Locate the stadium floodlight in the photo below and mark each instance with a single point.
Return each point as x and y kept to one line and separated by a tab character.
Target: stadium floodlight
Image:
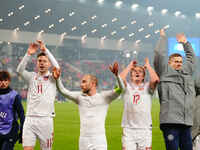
134	7
147	36
124	27
84	37
118	4
64	33
42	31
100	2
16	29
150	8
71	13
93	17
37	17
138	41
121	40
74	28
39	35
61	20
164	11
83	23
133	22
21	7
1	20
166	27
157	31
177	13
10	14
47	10
128	55
93	31
113	33
141	29
151	24
197	15
62	36
131	34
26	23
51	26
114	19
104	25
103	38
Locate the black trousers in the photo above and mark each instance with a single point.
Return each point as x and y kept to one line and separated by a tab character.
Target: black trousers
7	142
177	137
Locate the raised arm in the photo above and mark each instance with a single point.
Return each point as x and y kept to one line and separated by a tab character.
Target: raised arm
113	94
189	52
160	53
154	79
125	72
68	94
21	68
49	55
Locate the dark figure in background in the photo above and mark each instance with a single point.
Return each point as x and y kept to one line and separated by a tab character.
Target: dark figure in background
10	109
176	93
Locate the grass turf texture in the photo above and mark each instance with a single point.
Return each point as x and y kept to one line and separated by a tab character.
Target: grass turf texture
67	126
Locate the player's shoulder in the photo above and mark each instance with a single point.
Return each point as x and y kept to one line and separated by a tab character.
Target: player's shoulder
147	83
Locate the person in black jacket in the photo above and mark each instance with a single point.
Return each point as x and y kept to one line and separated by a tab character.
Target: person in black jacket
10	109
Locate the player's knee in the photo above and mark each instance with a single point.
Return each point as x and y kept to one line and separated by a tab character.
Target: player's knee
28	148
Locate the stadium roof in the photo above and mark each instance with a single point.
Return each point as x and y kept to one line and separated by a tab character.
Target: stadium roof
137	20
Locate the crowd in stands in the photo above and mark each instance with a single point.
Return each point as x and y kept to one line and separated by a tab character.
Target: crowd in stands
72	68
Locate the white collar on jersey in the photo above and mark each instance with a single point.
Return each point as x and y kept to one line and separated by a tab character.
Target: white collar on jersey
134	86
83	94
45	77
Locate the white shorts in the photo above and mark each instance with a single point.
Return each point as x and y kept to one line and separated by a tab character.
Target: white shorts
40	128
97	142
137	139
196	143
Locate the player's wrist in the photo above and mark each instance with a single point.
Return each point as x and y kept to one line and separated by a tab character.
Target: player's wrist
29	53
148	66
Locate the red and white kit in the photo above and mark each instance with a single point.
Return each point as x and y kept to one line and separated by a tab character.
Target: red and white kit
137	122
40	105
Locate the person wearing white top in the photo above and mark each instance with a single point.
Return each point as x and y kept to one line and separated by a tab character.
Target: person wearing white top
93	108
40	99
137	122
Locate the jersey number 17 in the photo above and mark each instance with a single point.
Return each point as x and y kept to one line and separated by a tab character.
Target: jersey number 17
136	98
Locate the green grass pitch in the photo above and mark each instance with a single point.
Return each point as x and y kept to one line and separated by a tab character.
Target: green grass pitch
67	125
